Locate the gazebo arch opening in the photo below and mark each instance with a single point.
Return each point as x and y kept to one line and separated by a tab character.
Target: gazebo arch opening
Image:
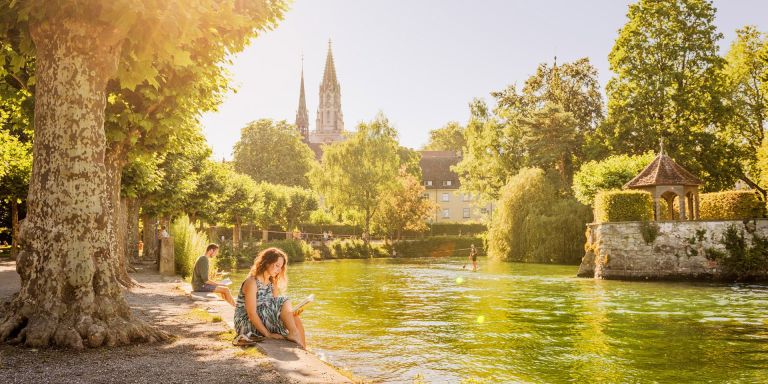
669	197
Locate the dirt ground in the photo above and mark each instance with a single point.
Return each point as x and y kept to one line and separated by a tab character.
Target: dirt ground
201	353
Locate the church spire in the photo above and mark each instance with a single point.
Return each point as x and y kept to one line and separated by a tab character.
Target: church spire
302	116
329	75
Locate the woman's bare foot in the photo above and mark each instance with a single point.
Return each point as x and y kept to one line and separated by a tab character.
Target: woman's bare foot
297	341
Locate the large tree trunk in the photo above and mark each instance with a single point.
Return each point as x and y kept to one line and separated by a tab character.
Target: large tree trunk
132	228
14	228
150	237
114	161
69	294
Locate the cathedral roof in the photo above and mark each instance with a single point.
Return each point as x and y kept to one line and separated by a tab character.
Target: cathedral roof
663	171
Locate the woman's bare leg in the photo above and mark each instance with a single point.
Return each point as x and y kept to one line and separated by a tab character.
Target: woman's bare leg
300	327
286	314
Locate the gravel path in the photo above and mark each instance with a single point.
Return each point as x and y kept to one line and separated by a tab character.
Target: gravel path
201	353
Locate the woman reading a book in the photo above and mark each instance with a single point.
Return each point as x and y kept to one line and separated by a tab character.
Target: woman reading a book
261	309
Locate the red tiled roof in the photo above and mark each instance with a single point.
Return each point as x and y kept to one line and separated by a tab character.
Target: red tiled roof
663	171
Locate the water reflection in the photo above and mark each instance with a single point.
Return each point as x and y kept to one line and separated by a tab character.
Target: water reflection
391	320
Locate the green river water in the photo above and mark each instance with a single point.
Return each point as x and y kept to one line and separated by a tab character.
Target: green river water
400	320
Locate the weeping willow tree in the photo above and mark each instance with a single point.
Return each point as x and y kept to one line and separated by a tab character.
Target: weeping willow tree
534	223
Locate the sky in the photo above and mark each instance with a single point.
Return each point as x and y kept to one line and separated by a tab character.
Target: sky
420	62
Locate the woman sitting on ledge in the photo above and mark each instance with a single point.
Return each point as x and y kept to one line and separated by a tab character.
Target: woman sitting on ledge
260	308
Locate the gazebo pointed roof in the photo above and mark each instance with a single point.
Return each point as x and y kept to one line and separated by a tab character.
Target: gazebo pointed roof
663	171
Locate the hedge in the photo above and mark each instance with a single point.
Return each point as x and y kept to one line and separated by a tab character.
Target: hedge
439	246
354	249
297	251
623	206
730	205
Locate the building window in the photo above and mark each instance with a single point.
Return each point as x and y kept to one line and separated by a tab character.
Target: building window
484	210
445	197
425	196
466	197
428	183
466	213
447	183
446	213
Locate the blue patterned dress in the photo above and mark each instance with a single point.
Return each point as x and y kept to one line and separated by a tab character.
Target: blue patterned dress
268	309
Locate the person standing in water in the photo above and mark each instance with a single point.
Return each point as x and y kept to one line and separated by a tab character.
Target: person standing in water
473	257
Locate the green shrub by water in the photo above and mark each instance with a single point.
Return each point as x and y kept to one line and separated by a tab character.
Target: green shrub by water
533	223
439	246
611	206
730	205
354	249
297	251
188	244
743	259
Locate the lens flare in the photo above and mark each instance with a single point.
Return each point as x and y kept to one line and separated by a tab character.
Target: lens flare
459	280
480	319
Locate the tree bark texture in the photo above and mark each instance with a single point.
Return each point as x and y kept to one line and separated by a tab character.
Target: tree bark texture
114	161
150	239
132	228
236	234
69	293
14	228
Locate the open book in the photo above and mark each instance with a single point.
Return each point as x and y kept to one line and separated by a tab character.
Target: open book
226	281
302	305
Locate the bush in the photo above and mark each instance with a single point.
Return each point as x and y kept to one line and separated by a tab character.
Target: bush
439	246
297	251
607	174
188	245
730	205
533	223
453	229
741	260
630	205
355	249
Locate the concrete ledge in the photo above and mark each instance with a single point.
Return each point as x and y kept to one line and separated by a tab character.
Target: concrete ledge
297	365
199	295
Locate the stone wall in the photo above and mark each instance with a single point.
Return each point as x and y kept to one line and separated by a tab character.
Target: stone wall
622	251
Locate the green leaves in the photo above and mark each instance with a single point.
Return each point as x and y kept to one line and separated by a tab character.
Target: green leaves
669	84
610	173
355	174
273	152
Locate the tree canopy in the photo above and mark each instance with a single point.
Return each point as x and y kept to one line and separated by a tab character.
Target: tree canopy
669	84
355	174
273	152
448	138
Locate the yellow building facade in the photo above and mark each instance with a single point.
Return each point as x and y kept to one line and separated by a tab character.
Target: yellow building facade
442	188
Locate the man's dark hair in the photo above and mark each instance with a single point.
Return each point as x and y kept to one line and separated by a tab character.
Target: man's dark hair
211	247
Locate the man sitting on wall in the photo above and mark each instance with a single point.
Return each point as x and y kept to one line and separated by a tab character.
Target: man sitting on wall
201	281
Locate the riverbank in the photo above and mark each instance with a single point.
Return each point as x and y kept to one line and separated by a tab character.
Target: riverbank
201	351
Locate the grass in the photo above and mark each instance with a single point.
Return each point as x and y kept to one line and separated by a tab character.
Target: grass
203	315
227	336
250	352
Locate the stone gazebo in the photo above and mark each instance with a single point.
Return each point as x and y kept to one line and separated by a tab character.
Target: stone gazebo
667	180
